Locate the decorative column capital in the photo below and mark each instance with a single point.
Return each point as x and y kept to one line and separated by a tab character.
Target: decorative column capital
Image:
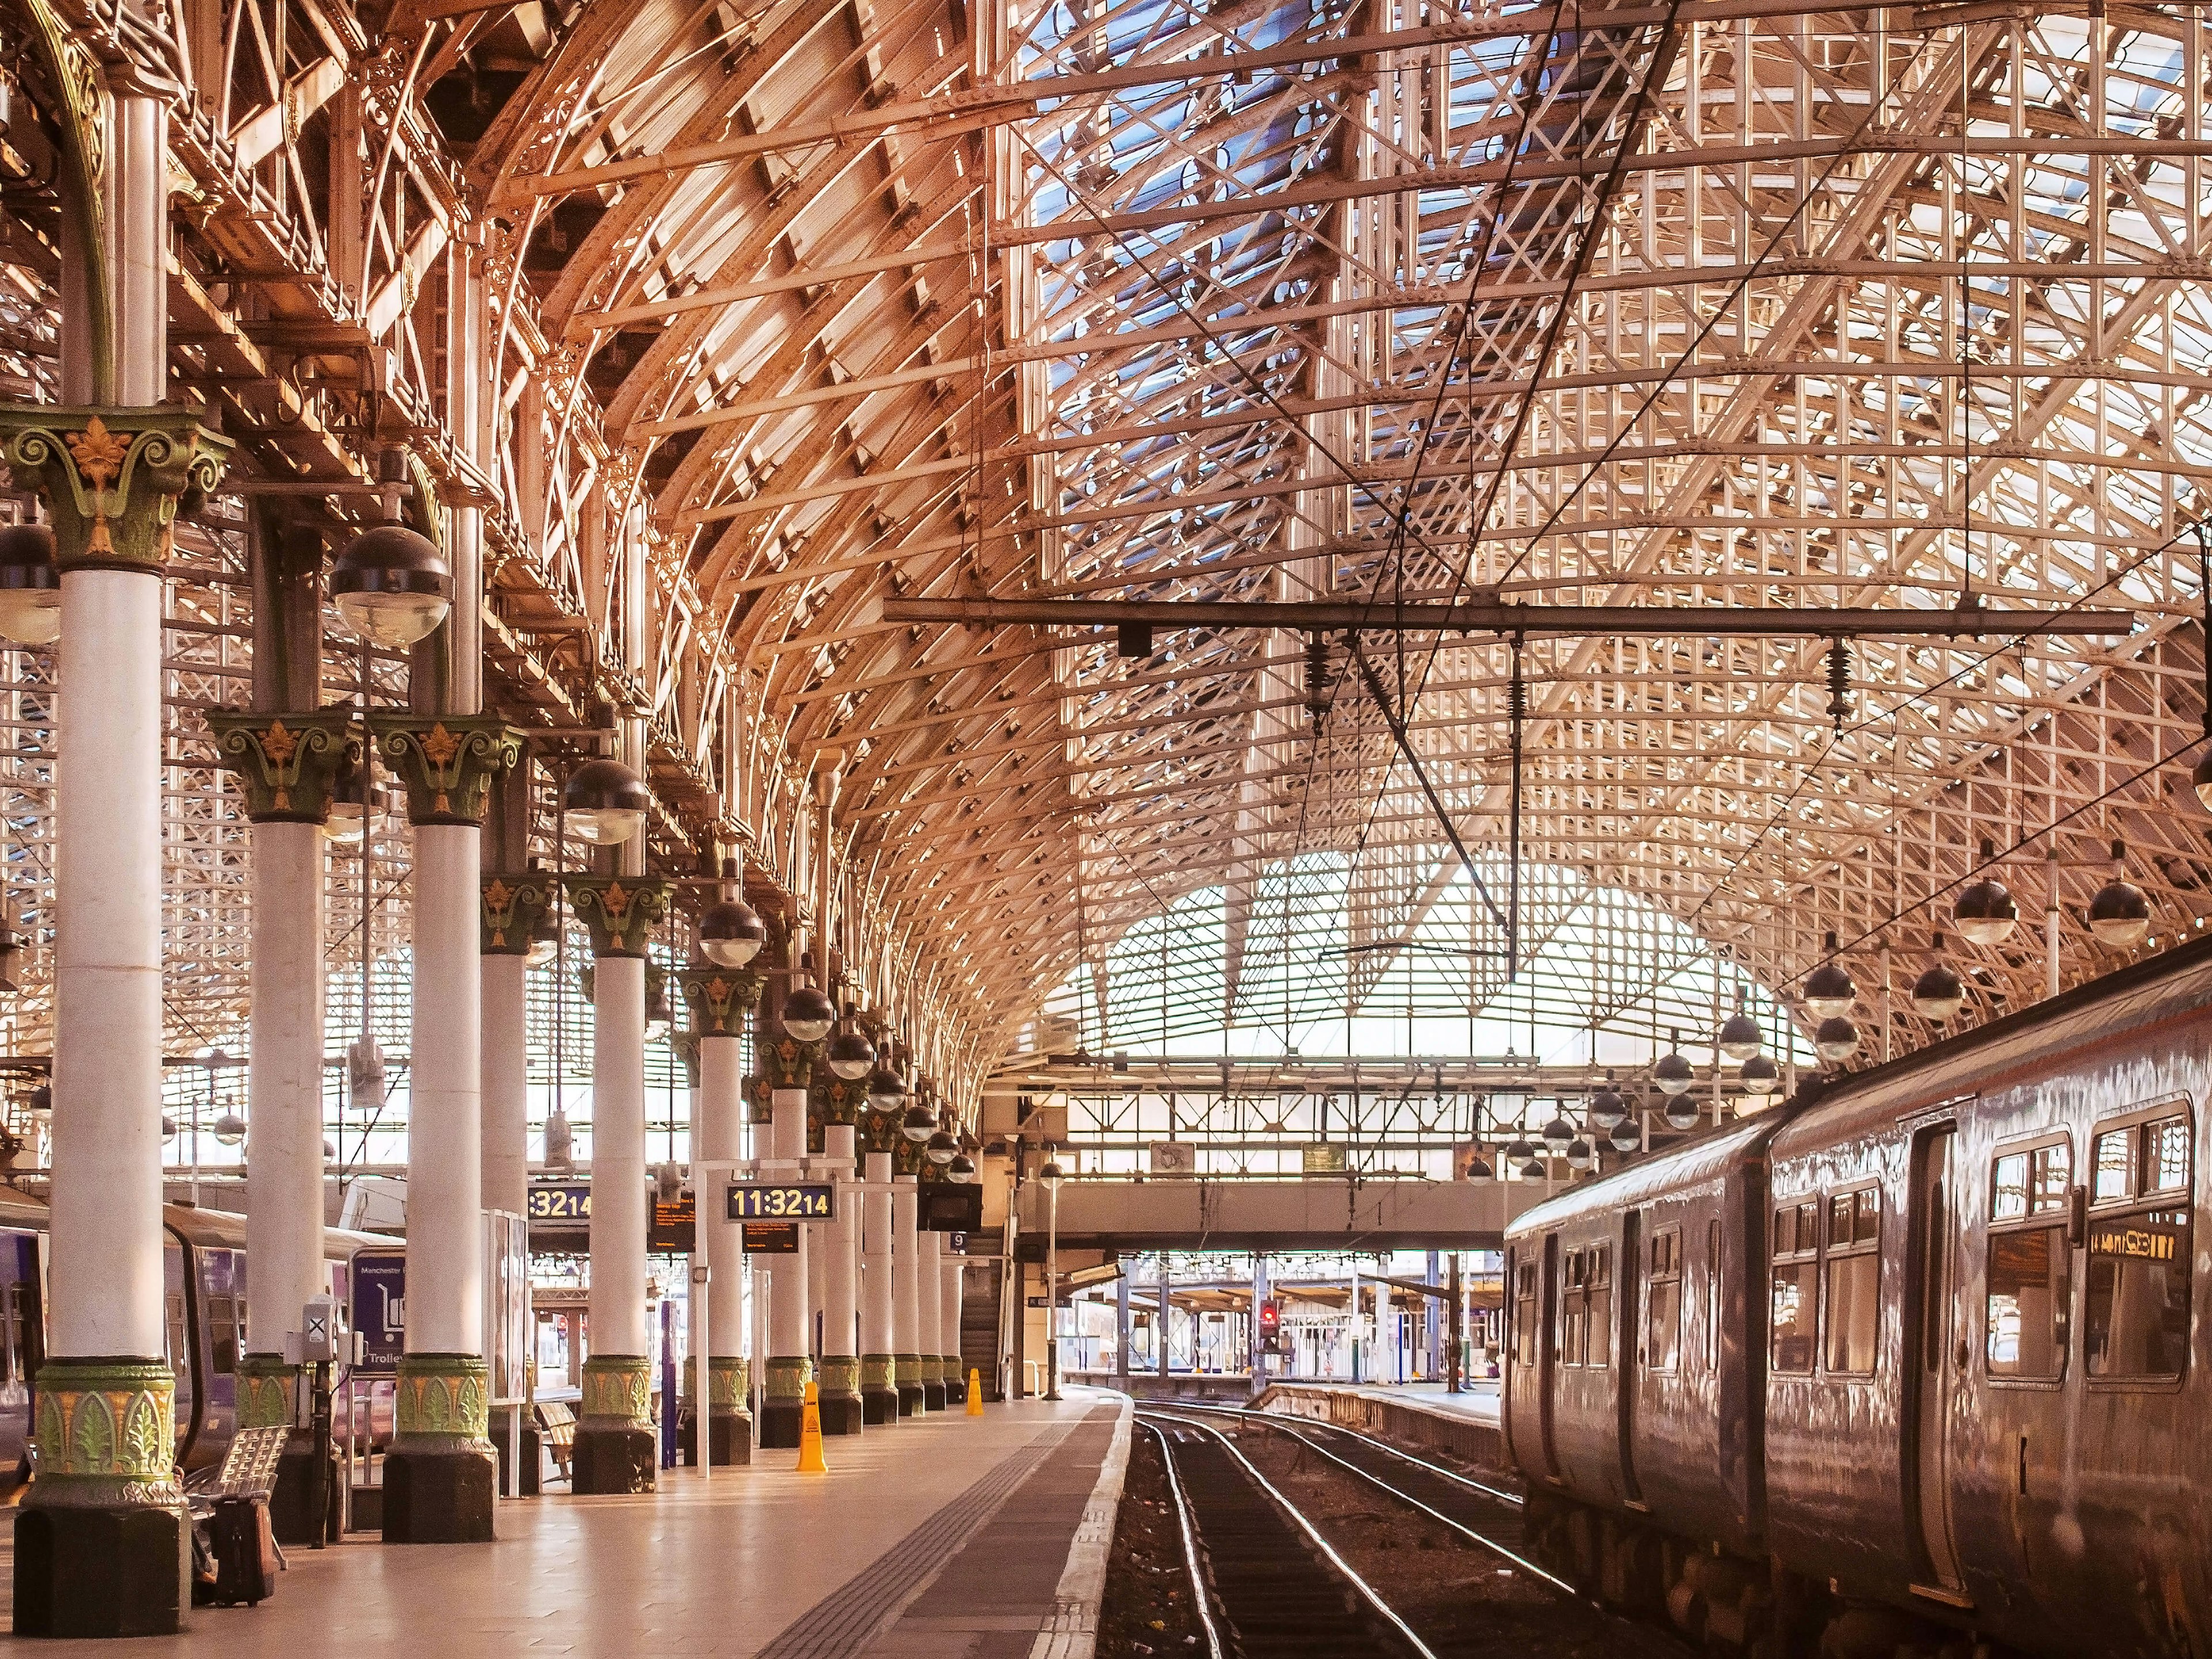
789	1063
835	1099
286	763
447	762
513	908
621	911
442	1399
112	478
684	1045
720	999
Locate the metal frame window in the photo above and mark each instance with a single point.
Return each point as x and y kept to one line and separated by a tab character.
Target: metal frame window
1854	1281
2136	1313
2028	1295
1795	1321
1662	1301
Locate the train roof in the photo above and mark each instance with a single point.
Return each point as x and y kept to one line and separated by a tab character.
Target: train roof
227	1229
2171	985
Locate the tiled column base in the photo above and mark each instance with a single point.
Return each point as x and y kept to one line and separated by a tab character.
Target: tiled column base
955	1383
102	1543
784	1402
908	1382
729	1425
440	1478
880	1400
839	1394
933	1382
616	1450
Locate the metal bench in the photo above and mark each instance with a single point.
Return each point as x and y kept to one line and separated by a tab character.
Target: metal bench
557	1423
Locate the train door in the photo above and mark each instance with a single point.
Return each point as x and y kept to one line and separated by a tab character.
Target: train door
1937	1357
1628	1303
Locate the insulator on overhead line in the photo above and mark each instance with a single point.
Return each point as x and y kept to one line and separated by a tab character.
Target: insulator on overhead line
1839	681
1317	678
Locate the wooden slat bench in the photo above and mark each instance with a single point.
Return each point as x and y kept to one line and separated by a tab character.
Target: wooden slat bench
558	1425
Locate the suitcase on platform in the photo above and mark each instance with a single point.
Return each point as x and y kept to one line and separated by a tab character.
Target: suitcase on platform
245	1548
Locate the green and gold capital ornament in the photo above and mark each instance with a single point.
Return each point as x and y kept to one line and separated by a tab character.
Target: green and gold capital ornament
286	763
443	1399
113	478
514	906
447	762
617	1388
621	912
719	998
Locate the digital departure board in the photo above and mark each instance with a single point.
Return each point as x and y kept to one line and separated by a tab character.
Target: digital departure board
782	1201
770	1237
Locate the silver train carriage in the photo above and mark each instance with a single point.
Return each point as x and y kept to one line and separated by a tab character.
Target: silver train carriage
1924	1353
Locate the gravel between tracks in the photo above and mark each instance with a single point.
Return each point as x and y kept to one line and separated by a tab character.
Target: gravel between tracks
1449	1590
1147	1609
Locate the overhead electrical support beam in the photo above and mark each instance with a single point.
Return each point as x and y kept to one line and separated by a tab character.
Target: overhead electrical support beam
1484	617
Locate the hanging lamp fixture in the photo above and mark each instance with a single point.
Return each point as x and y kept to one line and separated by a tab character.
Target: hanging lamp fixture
1938	994
390	585
1673	1073
1740	1038
1829	990
1984	912
2119	914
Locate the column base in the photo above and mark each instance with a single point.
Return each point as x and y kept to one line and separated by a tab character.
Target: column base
613	1458
906	1376
440	1493
911	1403
729	1438
296	1498
101	1570
783	1408
841	1413
956	1388
933	1394
879	1406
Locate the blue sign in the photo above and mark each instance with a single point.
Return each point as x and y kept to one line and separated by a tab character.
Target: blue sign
379	1310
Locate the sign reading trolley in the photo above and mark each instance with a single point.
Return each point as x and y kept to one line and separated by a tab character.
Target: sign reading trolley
782	1201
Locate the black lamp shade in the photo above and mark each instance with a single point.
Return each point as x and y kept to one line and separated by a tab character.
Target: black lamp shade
941	1148
807	1014
1829	992
1985	912
960	1168
1625	1137
1761	1079
1682	1112
730	933
1673	1074
2119	914
1938	994
885	1091
1052	1174
30	586
851	1055
393	586
1580	1154
1740	1038
1607	1107
1836	1041
1557	1133
604	802
920	1124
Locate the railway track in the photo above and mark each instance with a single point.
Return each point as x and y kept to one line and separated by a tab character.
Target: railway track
1485	1513
1267	1584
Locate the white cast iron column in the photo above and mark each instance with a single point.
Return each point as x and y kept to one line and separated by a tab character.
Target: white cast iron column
879	1354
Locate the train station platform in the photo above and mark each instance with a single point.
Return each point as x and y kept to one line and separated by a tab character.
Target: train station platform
948	1537
1416	1414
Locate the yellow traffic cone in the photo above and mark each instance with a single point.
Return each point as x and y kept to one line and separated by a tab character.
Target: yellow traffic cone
975	1391
810	1434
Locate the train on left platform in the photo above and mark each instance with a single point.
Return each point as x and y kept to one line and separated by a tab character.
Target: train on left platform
203	1271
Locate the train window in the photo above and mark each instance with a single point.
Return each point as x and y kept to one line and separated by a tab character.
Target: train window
2031	1297
2115	1165
1854	1280
1712	1295
2166	1155
2138	1301
1574	1307
1796	1287
1598	1323
1662	1320
1524	1313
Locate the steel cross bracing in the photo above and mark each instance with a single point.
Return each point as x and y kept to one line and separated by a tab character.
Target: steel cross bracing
795	307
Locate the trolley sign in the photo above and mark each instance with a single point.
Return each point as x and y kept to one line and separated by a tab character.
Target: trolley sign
782	1201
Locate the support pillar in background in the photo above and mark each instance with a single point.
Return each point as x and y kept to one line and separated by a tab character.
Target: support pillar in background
720	999
1122	1329
839	1391
616	1448
929	1294
441	1479
906	1293
1166	1310
102	1541
1258	1342
286	764
879	1396
788	1064
514	905
950	1267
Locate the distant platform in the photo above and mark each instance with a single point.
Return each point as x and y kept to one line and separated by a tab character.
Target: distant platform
1417	1414
946	1535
